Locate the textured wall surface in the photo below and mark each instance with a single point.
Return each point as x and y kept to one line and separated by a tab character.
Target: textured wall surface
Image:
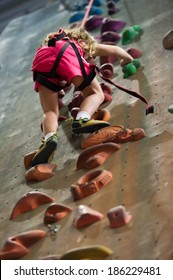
142	171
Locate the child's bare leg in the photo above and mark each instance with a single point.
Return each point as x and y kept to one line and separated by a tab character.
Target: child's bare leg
49	103
93	94
93	98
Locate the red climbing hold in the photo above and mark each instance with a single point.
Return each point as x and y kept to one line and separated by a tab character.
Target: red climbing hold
95	156
106	88
114	134
135	53
28	158
118	216
107	70
40	172
56	212
85	216
90	183
101	136
30	201
16	247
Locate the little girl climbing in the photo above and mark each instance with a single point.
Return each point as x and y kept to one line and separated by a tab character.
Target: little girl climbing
61	60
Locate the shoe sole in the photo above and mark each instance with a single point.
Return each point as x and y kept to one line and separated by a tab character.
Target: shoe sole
89	128
46	154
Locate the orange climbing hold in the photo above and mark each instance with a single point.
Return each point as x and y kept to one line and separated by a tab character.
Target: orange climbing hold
118	216
16	247
40	172
95	156
30	201
28	158
115	134
56	212
102	115
101	136
90	183
85	216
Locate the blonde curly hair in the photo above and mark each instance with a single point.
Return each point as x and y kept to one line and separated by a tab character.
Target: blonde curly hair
79	34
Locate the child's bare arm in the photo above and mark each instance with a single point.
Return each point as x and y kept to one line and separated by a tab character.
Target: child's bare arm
109	50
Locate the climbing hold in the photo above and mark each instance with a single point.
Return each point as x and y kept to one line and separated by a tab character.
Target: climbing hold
128	70
107	100
95	156
56	212
106	88
28	158
130	34
170	109
102	115
76	101
97	3
135	53
95	11
96	252
114	134
16	247
168	40
93	22
112	9
131	68
128	135
40	172
112	25
136	63
85	216
101	136
110	36
77	16
30	201
74	112
118	216
90	183
107	70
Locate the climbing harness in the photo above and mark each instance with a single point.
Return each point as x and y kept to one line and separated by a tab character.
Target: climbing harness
43	77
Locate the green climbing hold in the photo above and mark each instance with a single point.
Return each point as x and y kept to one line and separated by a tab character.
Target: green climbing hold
130	34
131	68
136	63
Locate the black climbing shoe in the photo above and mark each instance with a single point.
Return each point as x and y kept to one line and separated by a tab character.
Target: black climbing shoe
46	151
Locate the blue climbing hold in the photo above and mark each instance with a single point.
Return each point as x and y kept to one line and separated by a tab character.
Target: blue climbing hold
76	17
95	11
97	3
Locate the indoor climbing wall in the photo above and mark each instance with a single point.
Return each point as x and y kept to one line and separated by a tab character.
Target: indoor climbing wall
137	175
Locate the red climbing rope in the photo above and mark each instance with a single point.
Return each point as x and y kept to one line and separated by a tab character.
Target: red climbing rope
87	13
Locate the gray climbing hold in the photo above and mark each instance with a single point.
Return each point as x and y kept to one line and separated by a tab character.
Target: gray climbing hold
168	40
170	109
